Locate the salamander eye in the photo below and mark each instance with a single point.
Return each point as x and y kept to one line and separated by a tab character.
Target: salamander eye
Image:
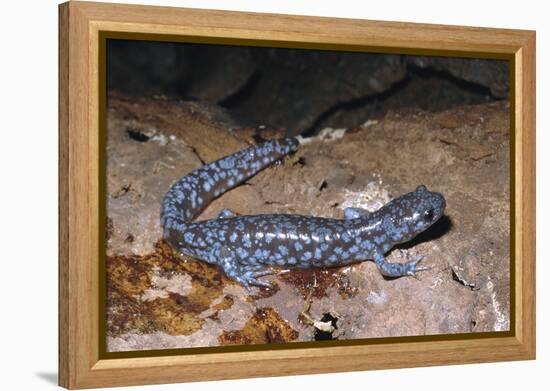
428	215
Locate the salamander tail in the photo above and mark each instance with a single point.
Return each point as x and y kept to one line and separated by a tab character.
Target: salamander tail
193	192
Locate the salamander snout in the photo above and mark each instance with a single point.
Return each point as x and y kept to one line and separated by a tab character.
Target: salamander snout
412	213
429	207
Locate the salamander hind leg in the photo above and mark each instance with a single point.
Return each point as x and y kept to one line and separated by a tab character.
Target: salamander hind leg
226	214
388	269
354	213
244	274
250	277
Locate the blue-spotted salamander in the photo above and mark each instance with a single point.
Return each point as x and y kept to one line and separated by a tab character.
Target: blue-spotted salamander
246	247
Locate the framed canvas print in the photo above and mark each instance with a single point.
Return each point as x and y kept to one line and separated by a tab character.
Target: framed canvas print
297	194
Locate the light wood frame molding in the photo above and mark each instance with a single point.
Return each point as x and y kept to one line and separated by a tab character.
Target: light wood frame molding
80	24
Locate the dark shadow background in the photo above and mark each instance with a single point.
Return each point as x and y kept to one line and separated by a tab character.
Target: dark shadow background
301	90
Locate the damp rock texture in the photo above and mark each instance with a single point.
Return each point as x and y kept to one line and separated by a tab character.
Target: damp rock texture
157	299
301	90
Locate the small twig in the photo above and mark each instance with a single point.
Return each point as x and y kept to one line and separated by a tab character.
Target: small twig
158	164
306	308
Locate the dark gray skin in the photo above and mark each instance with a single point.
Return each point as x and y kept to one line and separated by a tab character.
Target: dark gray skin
246	247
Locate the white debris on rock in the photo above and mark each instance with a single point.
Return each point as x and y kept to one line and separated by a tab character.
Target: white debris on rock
326	134
162	286
369	123
378	298
372	198
502	322
327	327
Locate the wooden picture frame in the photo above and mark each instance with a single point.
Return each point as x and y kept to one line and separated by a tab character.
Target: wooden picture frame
81	25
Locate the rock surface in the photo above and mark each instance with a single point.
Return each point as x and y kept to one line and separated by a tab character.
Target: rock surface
158	299
302	90
492	74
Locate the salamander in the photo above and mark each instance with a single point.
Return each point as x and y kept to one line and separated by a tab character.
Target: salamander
247	247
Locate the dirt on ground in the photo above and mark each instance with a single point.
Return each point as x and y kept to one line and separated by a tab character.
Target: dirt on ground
158	299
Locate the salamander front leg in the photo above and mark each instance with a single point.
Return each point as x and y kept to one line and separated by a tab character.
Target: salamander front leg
398	269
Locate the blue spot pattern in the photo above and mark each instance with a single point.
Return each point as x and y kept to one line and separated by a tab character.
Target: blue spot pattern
246	247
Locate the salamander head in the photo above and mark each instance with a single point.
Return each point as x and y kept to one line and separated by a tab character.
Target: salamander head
412	213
